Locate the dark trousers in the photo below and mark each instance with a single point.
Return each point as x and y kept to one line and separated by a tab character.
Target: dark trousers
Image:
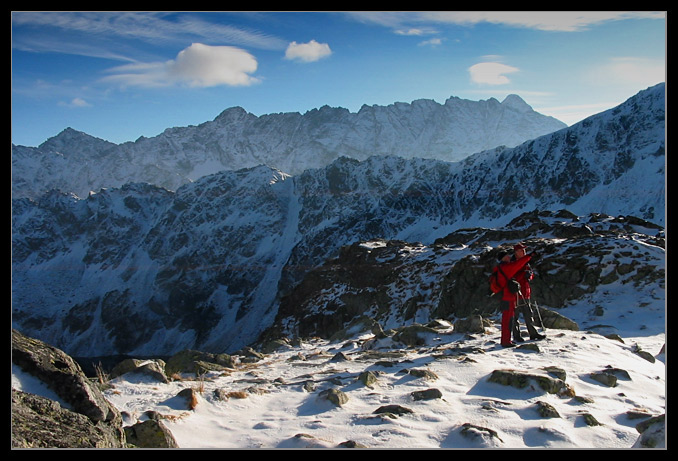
523	308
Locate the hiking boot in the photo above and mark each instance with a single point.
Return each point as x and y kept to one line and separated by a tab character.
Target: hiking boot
508	345
537	337
519	339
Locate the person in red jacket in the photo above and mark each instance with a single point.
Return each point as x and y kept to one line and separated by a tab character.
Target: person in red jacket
523	276
507	270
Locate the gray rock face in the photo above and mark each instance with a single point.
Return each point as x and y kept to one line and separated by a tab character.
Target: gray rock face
38	422
91	420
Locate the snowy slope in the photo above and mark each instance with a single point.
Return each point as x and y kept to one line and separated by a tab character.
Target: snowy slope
277	401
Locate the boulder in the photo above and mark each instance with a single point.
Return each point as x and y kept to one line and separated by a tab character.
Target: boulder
337	397
153	368
190	361
150	434
38	421
64	376
652	433
523	379
471	324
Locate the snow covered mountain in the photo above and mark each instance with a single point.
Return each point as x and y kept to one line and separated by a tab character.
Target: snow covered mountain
141	269
291	142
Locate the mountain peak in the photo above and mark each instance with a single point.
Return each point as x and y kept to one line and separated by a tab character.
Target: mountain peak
516	102
71	137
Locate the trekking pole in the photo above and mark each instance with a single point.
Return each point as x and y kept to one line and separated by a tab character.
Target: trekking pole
541	322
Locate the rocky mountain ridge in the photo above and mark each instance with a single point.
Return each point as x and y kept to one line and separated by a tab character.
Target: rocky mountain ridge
291	142
393	283
146	270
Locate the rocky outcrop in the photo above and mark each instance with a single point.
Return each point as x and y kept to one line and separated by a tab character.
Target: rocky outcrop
84	418
39	422
385	284
81	417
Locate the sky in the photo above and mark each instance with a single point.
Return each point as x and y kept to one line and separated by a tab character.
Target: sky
121	75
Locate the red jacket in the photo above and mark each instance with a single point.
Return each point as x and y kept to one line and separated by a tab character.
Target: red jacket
523	276
510	269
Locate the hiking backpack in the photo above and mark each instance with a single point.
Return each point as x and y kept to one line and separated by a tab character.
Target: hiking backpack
496	286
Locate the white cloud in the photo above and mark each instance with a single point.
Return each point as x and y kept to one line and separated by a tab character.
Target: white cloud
307	52
196	66
571	114
203	65
76	102
630	70
491	73
432	42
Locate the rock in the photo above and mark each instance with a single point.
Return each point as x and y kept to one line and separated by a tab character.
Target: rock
426	374
554	320
473	431
340	357
351	444
191	396
38	421
546	410
471	324
154	369
250	355
644	354
528	347
556	371
368	378
618	372
605	378
522	379
590	420
414	335
395	410
428	394
337	397
126	366
652	433
63	375
150	434
273	345
638	414
190	361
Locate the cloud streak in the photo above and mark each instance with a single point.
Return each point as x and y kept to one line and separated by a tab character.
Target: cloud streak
563	21
107	30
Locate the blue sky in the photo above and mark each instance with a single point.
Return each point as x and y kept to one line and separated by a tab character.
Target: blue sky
122	75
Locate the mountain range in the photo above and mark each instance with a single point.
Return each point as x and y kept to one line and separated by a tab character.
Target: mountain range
147	268
291	142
